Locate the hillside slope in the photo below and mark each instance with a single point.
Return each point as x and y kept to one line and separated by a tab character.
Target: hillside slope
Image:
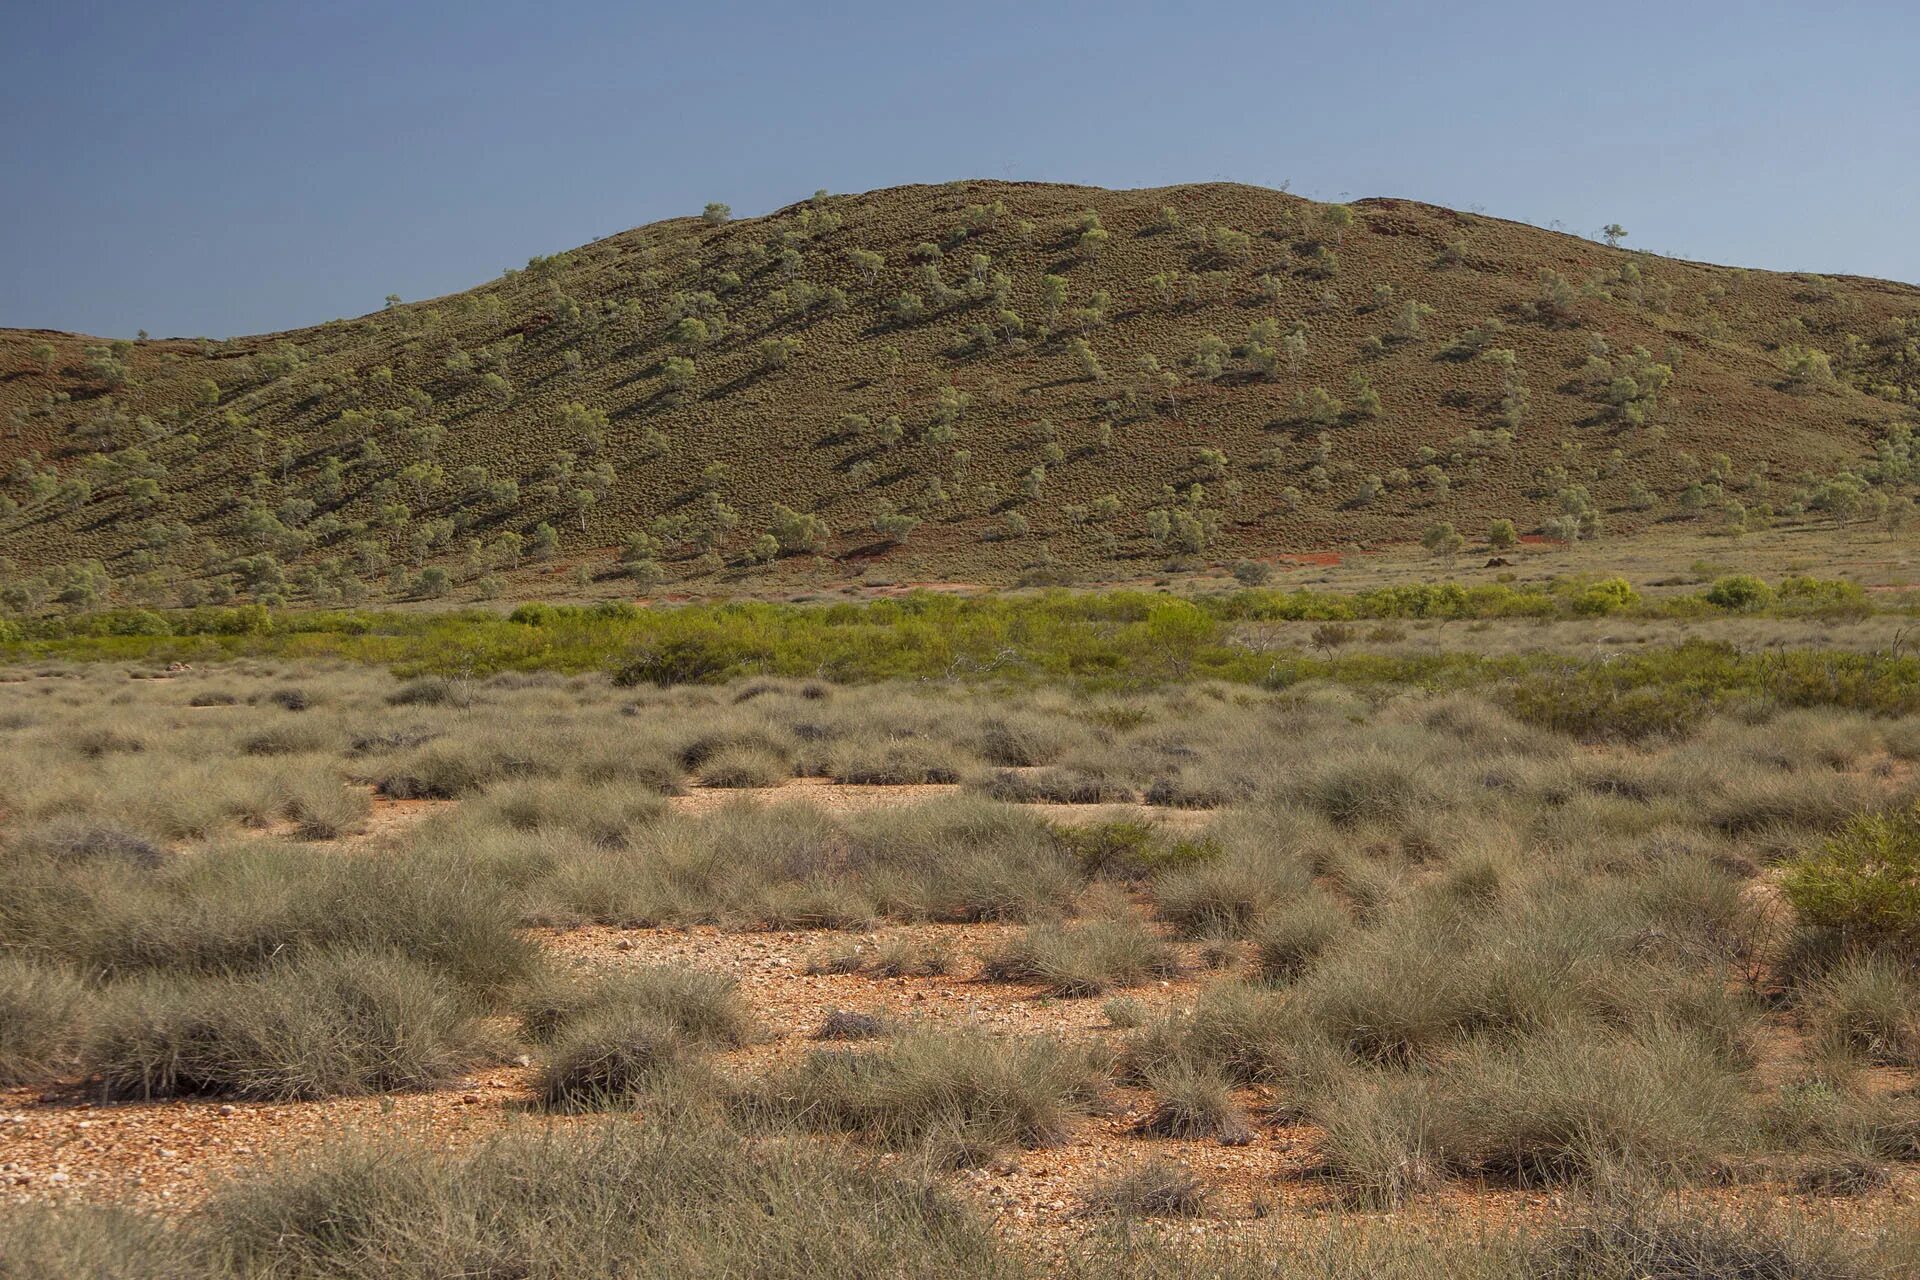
972	381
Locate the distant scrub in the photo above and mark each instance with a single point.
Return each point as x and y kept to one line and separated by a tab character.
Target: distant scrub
1113	639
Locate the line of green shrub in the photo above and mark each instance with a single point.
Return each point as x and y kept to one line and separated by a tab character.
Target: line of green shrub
1110	640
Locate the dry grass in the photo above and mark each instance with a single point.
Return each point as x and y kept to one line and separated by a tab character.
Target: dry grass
1477	953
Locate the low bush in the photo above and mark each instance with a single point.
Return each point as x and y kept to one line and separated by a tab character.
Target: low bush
1864	881
1582	705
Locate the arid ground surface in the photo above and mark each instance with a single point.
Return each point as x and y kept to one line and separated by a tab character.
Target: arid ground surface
1336	967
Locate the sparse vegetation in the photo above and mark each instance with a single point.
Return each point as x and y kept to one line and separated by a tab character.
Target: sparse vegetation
693	377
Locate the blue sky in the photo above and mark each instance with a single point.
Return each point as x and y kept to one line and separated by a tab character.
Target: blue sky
220	168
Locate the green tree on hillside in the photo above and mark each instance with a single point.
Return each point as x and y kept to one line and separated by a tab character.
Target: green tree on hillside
797	531
1443	541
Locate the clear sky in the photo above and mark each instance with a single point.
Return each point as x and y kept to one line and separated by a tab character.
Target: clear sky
193	167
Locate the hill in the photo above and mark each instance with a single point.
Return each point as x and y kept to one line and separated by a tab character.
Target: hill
979	381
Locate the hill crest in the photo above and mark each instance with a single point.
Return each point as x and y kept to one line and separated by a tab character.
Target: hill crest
977	380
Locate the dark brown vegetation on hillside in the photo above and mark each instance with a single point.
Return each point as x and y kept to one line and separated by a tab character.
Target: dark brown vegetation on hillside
977	381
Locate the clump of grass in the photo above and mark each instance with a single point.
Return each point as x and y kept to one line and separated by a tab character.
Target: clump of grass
100	740
960	1097
1370	786
1288	939
1085	960
1245	1034
1573	1102
1225	894
704	1006
1788	807
1021	741
41	1017
232	911
903	957
432	691
741	765
448	771
1055	785
1814	1116
850	1024
835	958
1867	1008
1194	1102
961	859
327	1023
1378	1144
322	809
607	815
287	739
896	763
1124	1012
608	1056
1157	1189
70	842
604	1199
1636	1235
